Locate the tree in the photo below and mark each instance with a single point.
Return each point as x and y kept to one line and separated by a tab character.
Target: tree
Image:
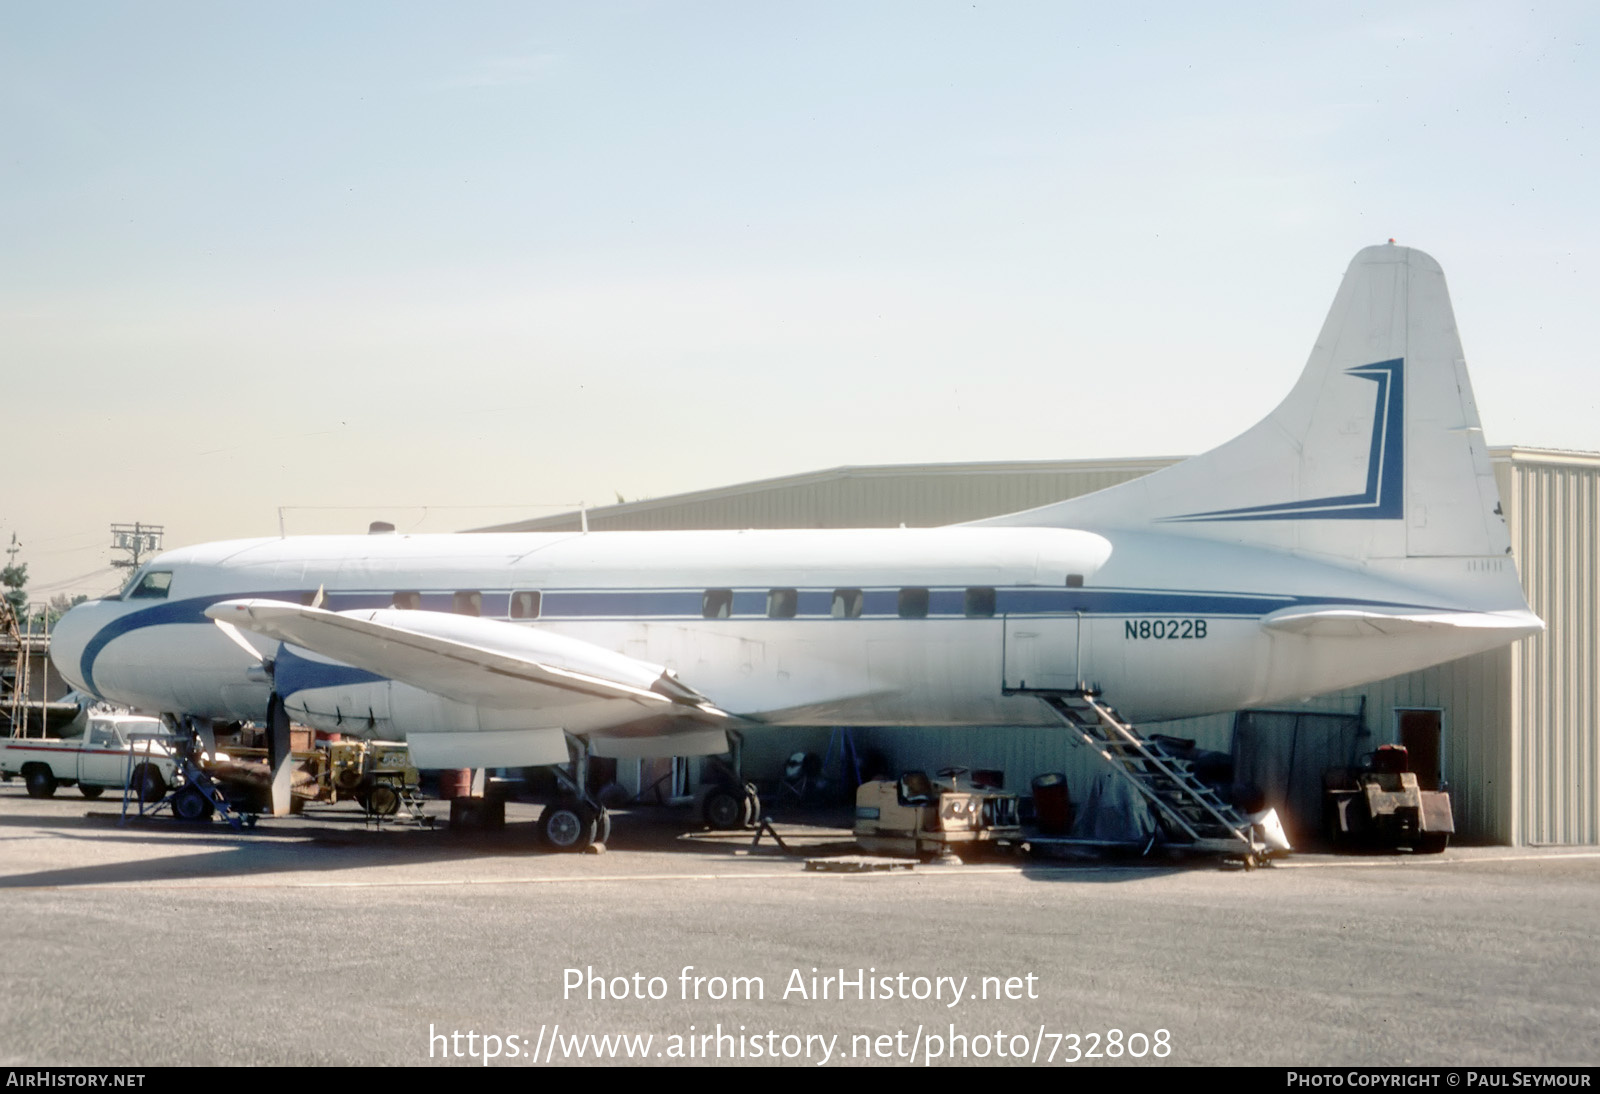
60	604
14	577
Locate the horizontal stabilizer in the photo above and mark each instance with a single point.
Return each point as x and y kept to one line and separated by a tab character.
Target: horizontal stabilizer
1364	622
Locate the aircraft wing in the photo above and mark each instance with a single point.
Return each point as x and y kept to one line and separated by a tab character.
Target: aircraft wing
1358	622
483	662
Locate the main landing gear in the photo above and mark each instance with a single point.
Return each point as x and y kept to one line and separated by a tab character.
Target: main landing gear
729	807
576	821
574	826
731	803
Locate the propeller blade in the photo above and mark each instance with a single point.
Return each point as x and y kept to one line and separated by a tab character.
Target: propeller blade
233	632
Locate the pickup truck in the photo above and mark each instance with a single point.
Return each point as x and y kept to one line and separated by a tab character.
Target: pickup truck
94	761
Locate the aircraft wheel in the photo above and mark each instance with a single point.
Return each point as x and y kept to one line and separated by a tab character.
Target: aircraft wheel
147	783
568	826
91	792
383	801
189	804
41	781
725	809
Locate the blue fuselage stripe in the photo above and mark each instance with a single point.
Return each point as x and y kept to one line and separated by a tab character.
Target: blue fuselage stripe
751	604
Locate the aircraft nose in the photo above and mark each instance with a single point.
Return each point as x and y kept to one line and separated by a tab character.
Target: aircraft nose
71	636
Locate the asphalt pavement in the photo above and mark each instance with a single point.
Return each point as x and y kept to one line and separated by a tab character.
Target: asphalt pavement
320	940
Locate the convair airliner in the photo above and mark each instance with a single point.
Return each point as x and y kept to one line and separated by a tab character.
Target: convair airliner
1353	534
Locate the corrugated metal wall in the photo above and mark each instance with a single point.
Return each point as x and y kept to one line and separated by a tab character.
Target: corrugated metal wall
1475	695
1553	501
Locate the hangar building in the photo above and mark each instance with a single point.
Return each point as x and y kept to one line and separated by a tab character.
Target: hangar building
1515	733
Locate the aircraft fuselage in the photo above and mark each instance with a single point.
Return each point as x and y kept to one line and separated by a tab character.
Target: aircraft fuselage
943	626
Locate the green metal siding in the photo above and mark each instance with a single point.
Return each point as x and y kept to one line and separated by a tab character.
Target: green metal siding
1554	505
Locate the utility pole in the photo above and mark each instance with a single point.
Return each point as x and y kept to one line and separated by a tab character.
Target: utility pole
136	540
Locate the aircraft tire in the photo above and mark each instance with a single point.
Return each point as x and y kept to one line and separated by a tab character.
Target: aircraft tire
41	781
91	792
725	809
147	783
568	826
189	804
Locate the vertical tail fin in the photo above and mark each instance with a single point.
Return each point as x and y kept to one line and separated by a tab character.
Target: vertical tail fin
1376	454
1381	435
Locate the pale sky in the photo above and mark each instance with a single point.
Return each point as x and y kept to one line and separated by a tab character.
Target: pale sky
408	259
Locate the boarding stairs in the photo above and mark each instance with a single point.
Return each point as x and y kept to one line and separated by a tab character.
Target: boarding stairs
408	802
193	796
1190	808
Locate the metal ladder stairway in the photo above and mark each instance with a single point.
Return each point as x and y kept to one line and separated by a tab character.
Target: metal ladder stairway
1168	783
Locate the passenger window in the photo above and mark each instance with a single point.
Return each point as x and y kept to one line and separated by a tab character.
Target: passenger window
525	605
913	603
847	603
467	602
980	603
717	603
1074	581
782	603
154	586
410	601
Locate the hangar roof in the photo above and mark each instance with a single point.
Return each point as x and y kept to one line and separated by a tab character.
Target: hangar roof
916	495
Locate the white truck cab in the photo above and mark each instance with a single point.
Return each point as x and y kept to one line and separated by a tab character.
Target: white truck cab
98	759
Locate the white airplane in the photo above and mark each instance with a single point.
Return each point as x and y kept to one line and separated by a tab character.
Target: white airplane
1353	534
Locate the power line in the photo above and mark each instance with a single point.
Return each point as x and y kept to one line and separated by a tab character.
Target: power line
104	571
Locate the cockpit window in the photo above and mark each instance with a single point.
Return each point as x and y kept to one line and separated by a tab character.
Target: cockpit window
153	586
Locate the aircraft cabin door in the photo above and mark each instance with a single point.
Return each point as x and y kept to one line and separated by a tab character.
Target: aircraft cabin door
1041	653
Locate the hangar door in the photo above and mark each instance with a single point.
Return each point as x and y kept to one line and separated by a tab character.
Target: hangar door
1041	653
